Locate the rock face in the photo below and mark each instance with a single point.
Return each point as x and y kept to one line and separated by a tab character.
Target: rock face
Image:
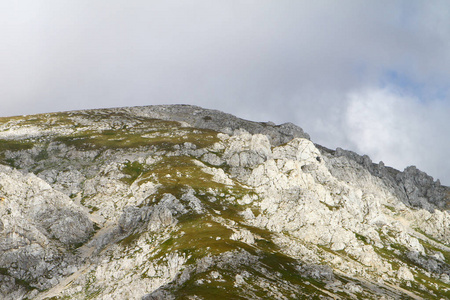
219	121
180	202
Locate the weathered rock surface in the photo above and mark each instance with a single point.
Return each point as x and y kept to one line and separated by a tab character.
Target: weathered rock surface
180	202
216	120
39	227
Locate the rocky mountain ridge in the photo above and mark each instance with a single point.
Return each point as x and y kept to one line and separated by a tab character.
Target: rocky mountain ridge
168	202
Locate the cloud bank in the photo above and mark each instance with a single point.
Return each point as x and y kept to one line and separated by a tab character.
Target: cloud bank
373	77
399	129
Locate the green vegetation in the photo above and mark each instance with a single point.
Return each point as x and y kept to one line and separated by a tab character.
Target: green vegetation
439	288
263	270
91	290
21	282
14	145
159	134
133	170
332	207
201	235
176	174
397	256
129	240
362	238
195	235
431	248
118	131
199	238
391	208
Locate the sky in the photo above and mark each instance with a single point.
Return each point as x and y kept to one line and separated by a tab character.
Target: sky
368	76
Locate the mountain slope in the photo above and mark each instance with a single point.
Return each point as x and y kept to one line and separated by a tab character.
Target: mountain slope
164	202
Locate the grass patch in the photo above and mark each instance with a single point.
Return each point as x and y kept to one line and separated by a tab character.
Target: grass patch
362	238
131	239
332	207
198	236
390	256
281	273
120	131
430	248
15	145
176	174
391	208
124	139
440	289
161	134
133	170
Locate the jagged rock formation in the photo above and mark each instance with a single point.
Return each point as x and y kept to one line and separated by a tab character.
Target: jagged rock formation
180	202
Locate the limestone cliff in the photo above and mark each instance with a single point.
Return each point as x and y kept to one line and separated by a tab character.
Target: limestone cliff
180	202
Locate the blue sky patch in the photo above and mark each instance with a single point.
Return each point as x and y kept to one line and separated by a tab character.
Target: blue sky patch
407	85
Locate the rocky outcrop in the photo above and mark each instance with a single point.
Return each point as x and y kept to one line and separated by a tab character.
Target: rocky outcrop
412	186
39	228
216	120
168	202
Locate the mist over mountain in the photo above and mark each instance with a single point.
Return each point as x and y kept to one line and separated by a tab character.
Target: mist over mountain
182	202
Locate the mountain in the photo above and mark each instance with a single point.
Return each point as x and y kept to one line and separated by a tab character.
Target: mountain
181	202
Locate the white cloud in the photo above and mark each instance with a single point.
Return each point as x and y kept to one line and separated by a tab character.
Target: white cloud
263	60
399	130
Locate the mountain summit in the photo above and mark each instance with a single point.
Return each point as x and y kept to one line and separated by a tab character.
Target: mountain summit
181	202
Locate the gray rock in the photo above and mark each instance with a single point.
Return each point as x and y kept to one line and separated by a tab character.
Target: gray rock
257	208
212	159
414	187
430	264
130	218
219	121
